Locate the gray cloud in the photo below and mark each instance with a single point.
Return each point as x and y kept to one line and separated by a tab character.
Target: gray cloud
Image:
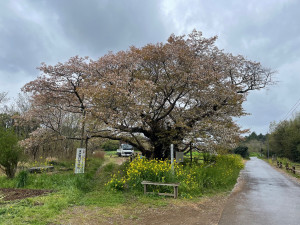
101	26
51	31
35	31
20	42
264	31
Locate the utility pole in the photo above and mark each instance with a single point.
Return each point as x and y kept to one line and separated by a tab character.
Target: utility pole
268	145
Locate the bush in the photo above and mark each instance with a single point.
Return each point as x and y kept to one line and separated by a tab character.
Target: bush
242	151
10	152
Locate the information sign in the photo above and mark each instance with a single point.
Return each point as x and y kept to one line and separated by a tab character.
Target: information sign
80	160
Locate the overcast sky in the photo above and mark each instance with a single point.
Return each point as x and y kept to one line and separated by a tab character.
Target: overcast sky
51	31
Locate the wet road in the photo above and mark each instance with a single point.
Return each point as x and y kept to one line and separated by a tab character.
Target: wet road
265	196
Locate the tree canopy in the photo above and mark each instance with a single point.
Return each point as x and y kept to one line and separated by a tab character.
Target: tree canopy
285	139
183	91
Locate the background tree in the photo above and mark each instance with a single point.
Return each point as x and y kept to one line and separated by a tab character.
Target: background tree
110	145
285	139
255	143
2	96
10	152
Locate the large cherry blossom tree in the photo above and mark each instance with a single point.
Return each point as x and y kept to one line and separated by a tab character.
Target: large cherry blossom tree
183	91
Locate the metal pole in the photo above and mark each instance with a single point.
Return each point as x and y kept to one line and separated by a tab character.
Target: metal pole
172	157
268	147
191	152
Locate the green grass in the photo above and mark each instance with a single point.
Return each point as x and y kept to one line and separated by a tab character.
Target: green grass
70	189
85	190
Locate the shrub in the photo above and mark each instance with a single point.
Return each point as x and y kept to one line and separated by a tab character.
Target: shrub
22	179
10	152
242	150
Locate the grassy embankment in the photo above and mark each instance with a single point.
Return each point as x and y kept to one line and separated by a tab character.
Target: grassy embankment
95	189
284	162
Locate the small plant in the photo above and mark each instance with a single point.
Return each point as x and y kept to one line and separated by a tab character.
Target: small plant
10	152
22	179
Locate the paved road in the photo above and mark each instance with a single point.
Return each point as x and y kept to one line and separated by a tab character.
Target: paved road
266	197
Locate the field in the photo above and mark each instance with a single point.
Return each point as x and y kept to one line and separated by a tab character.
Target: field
60	197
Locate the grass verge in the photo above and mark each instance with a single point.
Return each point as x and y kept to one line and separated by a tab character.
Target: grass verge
89	191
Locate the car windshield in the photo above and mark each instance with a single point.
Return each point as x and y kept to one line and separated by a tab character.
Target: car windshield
127	147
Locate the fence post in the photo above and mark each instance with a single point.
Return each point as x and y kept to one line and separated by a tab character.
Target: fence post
294	169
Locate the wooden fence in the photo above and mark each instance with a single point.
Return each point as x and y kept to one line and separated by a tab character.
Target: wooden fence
288	167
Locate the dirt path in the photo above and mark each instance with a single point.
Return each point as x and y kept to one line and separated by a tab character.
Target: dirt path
266	196
206	211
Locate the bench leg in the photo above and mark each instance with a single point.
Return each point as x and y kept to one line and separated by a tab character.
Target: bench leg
145	189
175	191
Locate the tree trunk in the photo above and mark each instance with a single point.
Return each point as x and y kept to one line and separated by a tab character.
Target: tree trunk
10	171
161	150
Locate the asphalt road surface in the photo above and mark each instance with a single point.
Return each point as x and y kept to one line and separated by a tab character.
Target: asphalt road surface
263	196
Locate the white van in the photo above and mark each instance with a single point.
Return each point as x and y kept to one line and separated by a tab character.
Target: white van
125	150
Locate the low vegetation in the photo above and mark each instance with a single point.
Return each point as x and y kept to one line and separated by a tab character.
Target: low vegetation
95	188
284	162
195	179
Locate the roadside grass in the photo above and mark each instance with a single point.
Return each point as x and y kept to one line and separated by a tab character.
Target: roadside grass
284	162
89	190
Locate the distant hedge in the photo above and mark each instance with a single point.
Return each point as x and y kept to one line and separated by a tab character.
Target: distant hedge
242	150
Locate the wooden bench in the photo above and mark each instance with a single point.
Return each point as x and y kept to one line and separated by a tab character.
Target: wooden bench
175	194
41	169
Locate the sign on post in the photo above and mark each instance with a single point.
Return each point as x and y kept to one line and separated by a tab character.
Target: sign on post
80	160
179	157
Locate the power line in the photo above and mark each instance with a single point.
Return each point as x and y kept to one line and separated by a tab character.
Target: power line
292	109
